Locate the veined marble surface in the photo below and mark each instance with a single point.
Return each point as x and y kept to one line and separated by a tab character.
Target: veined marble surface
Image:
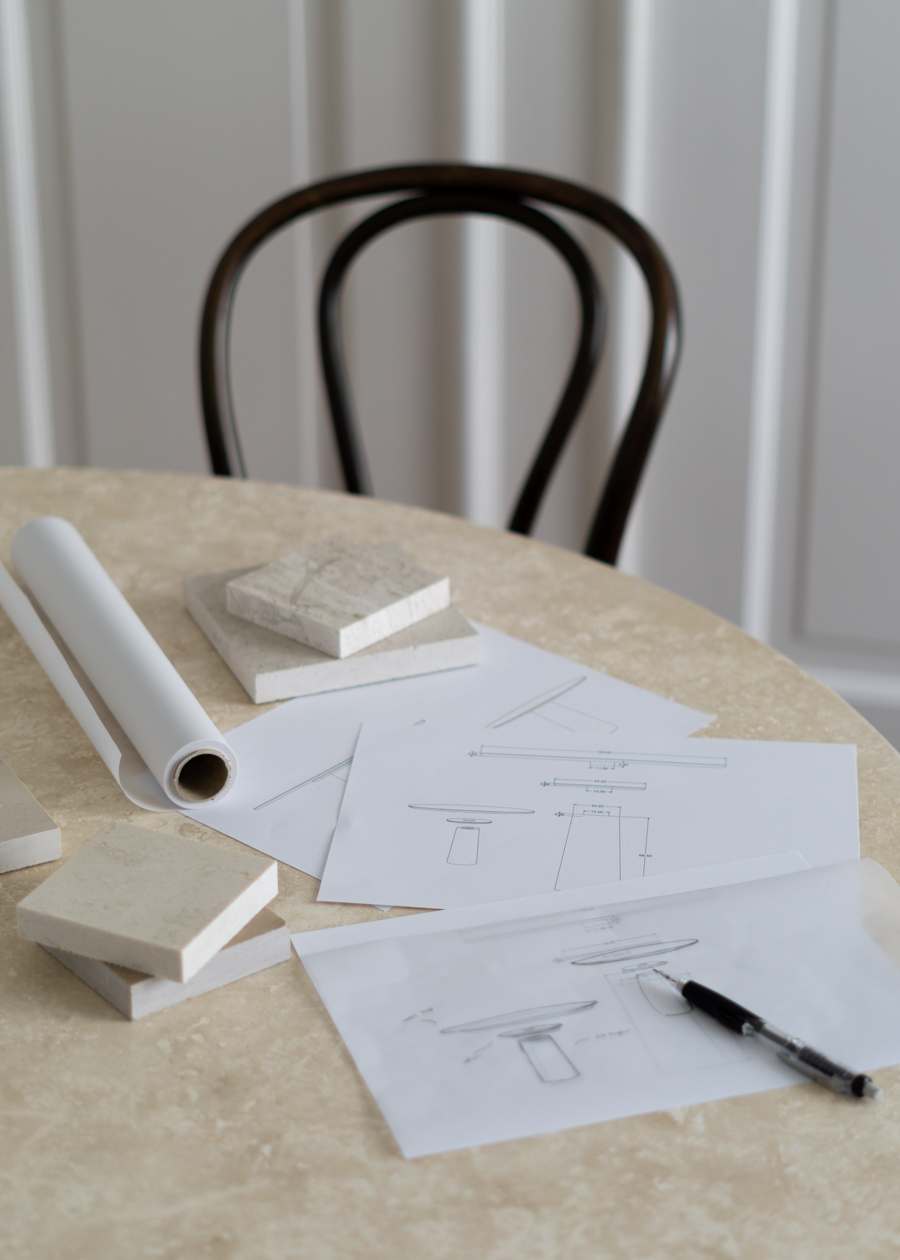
235	1126
338	596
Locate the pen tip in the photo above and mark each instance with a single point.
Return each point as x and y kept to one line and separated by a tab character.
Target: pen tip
871	1090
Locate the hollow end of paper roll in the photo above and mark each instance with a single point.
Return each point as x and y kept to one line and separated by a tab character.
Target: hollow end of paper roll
201	775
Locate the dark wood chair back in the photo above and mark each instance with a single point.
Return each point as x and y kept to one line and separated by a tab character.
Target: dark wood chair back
441	189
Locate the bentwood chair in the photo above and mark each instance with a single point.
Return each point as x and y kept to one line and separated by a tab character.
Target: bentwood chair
441	189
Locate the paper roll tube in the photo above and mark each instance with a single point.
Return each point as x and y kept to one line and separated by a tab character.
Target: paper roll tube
171	733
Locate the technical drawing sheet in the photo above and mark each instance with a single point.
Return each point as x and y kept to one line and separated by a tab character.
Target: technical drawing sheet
295	759
440	816
504	1021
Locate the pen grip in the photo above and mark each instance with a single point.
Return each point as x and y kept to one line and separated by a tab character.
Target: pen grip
721	1008
834	1075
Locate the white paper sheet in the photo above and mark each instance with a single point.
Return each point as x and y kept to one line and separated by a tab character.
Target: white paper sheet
152	733
416	923
480	1027
441	816
295	760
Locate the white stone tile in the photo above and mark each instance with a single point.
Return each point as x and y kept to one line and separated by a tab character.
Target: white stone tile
28	835
264	942
338	596
148	900
272	667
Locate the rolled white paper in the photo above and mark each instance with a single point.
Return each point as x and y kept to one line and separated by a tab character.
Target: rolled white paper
146	723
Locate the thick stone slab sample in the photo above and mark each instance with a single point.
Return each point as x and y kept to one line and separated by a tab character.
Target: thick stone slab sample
264	942
272	667
28	835
148	900
338	596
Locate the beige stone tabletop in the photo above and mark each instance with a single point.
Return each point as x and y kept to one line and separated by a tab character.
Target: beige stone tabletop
235	1125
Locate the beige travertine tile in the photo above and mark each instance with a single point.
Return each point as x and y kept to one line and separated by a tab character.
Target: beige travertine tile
264	942
273	667
238	1127
338	596
157	903
28	835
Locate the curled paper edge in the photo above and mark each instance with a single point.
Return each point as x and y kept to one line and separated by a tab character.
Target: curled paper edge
118	753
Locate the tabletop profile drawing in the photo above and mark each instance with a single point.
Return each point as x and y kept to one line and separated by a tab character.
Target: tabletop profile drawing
468	820
533	1029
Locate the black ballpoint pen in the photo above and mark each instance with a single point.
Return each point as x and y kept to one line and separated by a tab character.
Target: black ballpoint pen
792	1050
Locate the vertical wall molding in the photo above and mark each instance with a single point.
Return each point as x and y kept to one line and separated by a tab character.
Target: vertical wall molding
304	282
482	109
26	264
767	390
634	158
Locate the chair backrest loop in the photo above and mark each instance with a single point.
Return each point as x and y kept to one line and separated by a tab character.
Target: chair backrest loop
516	194
584	364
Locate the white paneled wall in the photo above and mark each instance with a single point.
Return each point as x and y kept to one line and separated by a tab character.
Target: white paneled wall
10	426
760	141
840	589
702	198
177	127
27	290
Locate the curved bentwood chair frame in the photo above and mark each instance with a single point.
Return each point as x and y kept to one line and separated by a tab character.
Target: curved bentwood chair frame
441	189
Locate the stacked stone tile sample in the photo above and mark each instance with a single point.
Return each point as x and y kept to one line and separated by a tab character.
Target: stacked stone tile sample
147	900
28	835
271	666
264	942
338	596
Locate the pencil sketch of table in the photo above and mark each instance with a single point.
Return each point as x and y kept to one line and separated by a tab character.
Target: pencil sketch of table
468	821
235	1126
533	1031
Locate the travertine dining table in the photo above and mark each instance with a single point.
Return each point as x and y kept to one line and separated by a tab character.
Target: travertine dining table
235	1125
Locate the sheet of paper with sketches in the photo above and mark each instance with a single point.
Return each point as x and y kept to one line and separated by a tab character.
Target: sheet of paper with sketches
693	880
295	759
481	1027
441	816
